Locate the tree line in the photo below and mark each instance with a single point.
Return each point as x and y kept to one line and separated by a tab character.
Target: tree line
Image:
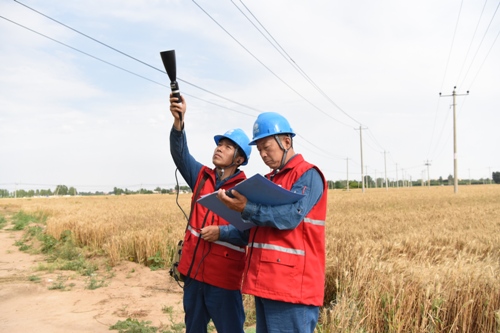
63	190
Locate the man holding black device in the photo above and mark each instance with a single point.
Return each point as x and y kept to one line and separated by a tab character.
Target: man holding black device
212	268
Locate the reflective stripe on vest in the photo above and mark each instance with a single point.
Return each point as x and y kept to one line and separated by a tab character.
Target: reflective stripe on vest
228	245
277	248
315	222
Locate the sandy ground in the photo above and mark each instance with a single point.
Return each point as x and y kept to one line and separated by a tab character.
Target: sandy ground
130	291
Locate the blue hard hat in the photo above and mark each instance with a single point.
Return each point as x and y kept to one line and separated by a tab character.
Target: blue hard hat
238	137
270	123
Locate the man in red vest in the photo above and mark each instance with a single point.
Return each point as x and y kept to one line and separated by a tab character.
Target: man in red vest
212	268
285	268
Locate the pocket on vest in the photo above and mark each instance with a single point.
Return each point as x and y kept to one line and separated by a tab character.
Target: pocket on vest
227	253
279	272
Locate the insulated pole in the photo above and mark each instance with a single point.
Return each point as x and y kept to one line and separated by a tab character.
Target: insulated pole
455	159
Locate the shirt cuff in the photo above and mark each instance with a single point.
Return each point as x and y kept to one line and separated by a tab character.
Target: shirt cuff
249	211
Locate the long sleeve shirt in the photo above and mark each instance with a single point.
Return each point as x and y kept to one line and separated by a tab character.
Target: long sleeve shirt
189	168
283	216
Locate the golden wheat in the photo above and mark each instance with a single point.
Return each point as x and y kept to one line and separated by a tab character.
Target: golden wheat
404	260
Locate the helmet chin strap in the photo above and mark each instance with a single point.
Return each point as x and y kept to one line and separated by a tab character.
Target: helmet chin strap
285	152
220	170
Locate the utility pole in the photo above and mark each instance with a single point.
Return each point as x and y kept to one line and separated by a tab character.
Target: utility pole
397	179
347	182
361	150
385	167
455	162
428	178
366	173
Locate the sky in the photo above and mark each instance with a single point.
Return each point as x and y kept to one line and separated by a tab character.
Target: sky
84	97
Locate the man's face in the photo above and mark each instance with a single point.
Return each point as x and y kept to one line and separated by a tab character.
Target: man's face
270	152
224	153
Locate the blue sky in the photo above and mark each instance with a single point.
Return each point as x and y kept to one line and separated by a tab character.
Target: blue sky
332	67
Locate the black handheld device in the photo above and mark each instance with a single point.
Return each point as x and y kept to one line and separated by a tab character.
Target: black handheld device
168	59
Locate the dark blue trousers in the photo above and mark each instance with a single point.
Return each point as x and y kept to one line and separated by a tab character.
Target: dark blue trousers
203	302
281	317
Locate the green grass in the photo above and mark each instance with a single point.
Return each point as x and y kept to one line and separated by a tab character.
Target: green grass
22	219
3	222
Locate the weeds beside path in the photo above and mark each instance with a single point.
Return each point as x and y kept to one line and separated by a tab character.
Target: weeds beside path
61	301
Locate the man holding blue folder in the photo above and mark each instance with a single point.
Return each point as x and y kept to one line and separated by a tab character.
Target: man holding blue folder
285	268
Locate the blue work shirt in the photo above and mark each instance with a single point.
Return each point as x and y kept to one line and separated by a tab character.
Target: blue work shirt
186	163
189	169
283	217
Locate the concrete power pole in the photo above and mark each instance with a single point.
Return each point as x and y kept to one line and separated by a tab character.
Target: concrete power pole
385	167
455	162
428	178
361	150
347	182
397	179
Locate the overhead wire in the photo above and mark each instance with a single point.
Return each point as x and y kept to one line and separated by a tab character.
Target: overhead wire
116	66
484	60
284	52
290	60
134	58
144	63
431	141
262	63
470	44
481	43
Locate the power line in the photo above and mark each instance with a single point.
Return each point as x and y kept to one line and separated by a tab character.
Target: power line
125	54
287	57
123	69
144	63
472	39
481	43
452	43
264	65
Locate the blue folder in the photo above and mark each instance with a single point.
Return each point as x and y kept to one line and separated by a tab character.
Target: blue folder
256	189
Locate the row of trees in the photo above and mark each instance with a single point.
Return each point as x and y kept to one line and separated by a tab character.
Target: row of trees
63	190
380	182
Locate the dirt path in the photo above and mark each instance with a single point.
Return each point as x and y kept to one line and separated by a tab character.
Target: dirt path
131	291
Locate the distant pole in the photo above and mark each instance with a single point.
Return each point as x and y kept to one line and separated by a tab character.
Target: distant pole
385	167
347	182
361	150
397	179
469	176
455	159
428	178
366	173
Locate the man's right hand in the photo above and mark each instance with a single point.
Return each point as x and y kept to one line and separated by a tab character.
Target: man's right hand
177	109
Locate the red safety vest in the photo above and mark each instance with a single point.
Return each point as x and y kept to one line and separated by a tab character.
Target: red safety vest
219	263
289	265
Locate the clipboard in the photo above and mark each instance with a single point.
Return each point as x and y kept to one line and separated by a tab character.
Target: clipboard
256	189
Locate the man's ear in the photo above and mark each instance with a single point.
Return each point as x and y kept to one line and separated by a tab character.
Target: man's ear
287	142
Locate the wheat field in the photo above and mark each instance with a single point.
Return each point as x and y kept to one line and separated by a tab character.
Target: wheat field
403	260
